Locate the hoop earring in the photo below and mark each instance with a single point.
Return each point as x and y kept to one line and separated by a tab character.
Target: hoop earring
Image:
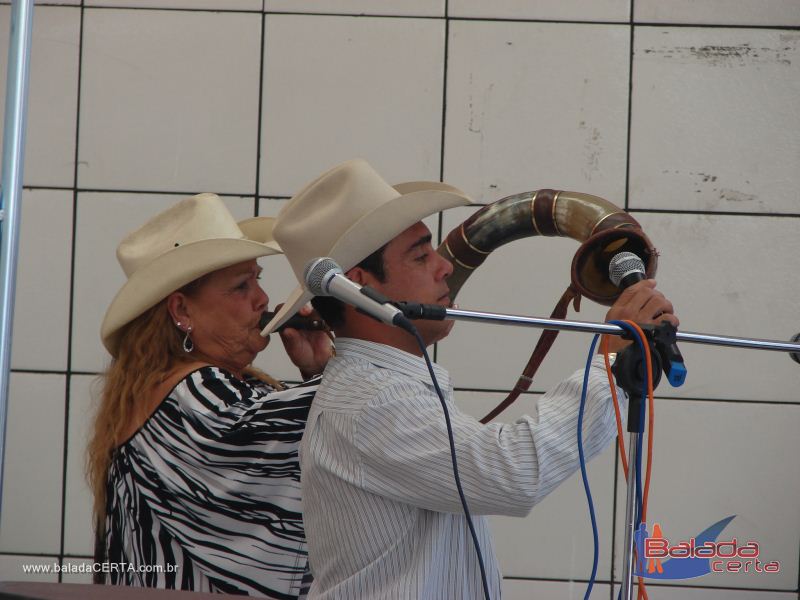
188	345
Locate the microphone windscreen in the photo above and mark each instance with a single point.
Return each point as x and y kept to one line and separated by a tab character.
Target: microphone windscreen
622	265
316	272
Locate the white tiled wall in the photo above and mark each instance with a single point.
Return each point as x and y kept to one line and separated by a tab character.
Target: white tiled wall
714	116
41	340
534	105
684	112
407	8
183	82
368	87
550	10
781	13
33	472
53	96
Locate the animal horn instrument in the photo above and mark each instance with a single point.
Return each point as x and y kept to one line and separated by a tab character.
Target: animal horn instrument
602	228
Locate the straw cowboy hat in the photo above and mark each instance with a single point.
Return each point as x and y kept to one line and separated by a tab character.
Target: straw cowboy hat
346	214
188	240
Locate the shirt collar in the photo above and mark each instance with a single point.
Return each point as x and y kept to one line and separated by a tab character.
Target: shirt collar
394	359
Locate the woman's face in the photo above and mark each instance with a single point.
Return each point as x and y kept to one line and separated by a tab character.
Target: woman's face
223	309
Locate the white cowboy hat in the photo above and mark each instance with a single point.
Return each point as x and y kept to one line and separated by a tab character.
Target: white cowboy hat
188	240
346	214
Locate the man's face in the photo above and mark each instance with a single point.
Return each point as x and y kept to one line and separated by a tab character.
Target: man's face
415	272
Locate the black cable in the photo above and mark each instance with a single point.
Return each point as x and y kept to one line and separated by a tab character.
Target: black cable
408	326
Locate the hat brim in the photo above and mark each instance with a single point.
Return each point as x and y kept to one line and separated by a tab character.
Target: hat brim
387	221
259	229
171	271
296	300
373	230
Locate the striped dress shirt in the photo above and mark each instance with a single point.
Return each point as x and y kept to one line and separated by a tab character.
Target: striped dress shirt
382	514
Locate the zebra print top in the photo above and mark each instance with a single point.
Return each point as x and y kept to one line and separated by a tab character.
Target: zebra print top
210	484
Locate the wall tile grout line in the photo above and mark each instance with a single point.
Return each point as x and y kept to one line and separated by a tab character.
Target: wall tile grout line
643	23
615	483
259	117
472	390
531	20
70	322
175	9
440	216
654	211
449	17
631	40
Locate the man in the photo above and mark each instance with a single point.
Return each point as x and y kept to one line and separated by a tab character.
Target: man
381	509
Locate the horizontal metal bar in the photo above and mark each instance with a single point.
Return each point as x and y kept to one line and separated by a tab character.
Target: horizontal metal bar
458	314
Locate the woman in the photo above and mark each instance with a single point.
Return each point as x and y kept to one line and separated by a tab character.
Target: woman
193	459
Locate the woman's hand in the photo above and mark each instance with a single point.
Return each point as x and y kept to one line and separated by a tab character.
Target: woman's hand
308	350
641	303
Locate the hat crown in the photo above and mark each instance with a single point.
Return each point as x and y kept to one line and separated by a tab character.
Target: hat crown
199	218
346	214
320	214
192	238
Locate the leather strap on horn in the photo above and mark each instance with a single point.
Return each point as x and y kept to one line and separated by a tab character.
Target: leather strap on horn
546	339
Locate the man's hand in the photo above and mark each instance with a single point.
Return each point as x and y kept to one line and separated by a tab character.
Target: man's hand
308	350
643	304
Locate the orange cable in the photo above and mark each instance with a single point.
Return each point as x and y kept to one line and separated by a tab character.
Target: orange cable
642	592
650	421
613	387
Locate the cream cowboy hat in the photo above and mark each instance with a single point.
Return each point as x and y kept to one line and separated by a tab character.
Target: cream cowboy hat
188	240
346	214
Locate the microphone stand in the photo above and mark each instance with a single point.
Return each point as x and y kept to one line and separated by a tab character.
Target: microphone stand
630	373
458	314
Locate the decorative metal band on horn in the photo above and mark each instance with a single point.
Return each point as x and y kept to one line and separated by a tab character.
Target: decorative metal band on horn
602	228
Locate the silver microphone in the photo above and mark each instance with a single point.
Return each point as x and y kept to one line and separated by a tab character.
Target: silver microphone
625	269
324	277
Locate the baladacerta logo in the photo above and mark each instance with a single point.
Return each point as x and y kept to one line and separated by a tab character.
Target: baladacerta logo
659	558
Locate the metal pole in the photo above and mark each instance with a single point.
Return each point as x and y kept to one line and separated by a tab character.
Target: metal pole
590	327
11	191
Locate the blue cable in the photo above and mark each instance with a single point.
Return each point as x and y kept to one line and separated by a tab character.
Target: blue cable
583	468
409	327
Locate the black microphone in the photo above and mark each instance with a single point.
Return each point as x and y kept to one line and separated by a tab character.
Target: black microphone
625	269
324	277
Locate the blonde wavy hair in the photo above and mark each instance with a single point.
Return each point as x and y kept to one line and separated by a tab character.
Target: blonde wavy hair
150	348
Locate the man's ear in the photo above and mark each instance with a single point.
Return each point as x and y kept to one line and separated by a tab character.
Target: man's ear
360	276
176	305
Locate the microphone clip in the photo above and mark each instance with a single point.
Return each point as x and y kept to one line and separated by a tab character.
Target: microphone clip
417	310
664	350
